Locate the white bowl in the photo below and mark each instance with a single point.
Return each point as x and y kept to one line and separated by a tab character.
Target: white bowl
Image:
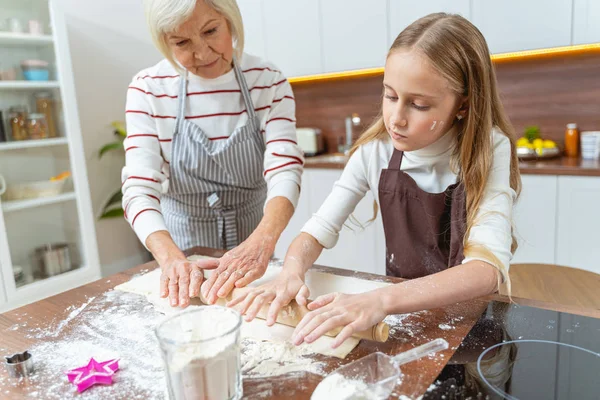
33	190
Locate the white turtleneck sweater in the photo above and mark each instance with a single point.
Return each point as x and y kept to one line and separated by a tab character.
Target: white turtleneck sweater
430	168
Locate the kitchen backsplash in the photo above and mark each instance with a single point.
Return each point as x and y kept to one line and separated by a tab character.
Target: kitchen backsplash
549	91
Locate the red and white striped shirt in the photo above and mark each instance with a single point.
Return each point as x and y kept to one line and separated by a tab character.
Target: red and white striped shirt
217	107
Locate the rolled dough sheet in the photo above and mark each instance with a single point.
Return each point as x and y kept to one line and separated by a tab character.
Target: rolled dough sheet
319	283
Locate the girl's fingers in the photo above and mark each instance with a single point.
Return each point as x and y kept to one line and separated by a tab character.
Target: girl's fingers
327	325
302	296
343	335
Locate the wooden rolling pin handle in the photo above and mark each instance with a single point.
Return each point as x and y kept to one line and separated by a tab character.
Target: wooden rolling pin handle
292	314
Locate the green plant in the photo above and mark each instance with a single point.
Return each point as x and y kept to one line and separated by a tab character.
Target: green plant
113	208
532	132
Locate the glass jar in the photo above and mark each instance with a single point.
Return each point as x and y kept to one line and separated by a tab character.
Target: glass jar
45	105
17	116
37	127
3	137
572	140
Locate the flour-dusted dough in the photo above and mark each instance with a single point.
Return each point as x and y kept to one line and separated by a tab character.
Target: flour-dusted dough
319	283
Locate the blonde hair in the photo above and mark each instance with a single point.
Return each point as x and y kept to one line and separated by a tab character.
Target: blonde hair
459	52
164	16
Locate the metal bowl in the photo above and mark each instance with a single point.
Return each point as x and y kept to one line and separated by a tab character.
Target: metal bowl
525	153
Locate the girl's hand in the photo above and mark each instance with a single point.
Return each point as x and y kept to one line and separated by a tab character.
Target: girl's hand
279	292
353	312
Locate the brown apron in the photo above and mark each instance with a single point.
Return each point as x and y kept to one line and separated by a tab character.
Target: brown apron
423	231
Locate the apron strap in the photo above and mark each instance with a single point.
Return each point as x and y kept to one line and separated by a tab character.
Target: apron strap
182	102
396	160
245	94
226	222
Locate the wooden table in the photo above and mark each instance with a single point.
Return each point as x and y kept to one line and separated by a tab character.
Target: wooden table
418	375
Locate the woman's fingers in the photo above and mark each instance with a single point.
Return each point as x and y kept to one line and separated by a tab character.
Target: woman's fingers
184	286
230	282
164	284
248	278
322	301
196	277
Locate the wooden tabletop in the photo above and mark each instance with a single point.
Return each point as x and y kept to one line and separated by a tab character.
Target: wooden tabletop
417	375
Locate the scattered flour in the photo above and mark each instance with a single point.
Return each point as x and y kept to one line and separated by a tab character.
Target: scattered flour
121	325
263	359
445	327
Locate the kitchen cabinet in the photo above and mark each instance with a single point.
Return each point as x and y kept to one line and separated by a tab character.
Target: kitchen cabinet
293	36
301	215
63	216
254	38
514	25
586	14
357	249
404	12
354	34
535	219
578	222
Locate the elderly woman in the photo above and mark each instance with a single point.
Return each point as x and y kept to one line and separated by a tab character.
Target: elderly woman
211	152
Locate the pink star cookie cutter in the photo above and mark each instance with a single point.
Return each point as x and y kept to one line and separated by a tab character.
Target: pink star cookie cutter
94	373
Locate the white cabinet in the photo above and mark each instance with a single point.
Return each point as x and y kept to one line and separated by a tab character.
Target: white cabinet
586	18
535	219
357	249
293	36
404	12
354	34
254	38
64	216
301	215
578	242
513	25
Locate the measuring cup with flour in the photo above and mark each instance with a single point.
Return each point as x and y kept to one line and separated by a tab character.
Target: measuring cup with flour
201	352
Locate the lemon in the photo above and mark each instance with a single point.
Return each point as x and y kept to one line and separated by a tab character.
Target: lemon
549	144
522	142
538	143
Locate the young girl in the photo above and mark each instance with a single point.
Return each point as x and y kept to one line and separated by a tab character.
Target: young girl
442	160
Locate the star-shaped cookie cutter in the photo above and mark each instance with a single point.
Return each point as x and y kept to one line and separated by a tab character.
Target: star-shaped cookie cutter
93	373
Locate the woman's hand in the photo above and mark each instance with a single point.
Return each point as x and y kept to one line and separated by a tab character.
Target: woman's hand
279	292
353	312
181	279
240	266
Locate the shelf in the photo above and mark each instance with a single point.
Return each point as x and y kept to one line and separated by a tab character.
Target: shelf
27	85
9	38
16	205
29	144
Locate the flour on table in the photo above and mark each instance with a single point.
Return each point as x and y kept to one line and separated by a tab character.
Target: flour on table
318	282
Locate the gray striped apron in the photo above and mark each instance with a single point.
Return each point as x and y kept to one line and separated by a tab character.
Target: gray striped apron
216	188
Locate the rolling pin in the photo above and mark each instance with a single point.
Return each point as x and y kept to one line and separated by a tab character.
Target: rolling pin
293	313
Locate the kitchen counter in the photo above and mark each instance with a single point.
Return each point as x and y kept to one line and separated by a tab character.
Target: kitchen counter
557	166
462	325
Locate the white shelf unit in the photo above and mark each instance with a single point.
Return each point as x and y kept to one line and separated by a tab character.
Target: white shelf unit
24	39
67	217
29	85
17	205
30	144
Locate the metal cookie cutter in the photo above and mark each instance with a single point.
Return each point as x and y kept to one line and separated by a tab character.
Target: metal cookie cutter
20	364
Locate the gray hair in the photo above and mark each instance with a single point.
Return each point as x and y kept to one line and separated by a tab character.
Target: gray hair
164	16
